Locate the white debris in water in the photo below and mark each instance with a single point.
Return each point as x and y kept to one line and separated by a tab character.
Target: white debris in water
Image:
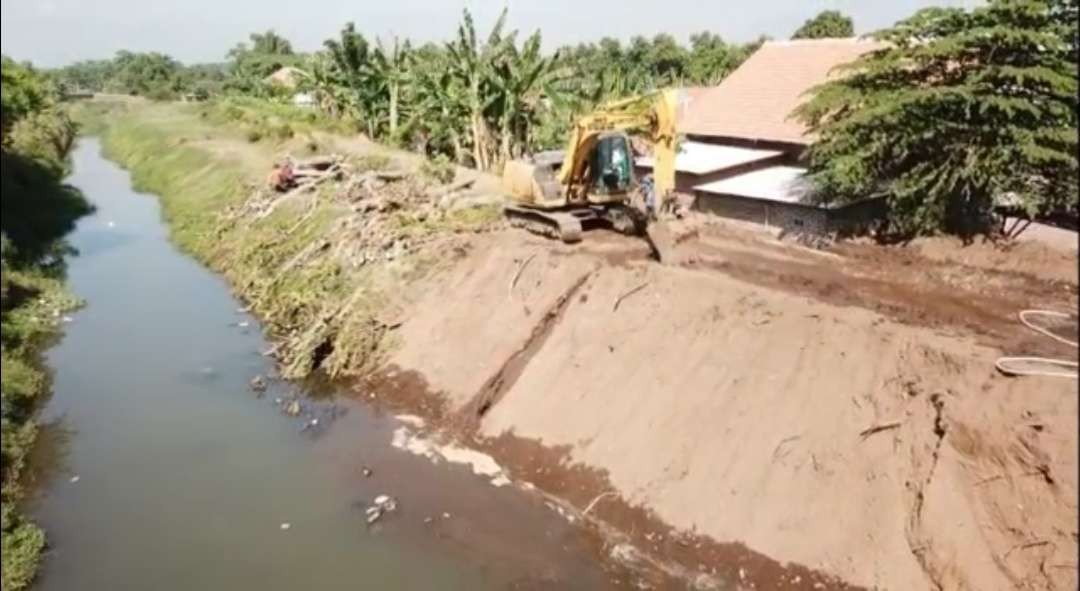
74	479
111	224
66	319
404	439
286	525
243	324
480	463
411	420
624	553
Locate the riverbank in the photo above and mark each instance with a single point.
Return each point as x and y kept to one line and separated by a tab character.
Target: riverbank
38	211
767	415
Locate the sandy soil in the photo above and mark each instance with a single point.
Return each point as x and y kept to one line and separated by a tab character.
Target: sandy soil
837	412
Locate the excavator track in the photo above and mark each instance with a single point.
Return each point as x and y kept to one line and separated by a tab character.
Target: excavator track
565	225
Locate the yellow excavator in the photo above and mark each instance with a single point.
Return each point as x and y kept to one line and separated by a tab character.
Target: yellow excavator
592	183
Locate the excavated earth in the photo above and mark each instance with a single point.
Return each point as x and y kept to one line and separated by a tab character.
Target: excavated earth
766	414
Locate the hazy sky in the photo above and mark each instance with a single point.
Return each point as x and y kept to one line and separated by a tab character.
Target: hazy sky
55	32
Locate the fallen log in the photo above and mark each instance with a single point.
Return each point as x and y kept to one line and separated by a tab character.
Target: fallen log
444	190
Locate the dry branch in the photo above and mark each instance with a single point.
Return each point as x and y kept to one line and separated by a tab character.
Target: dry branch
517	275
627	294
867	432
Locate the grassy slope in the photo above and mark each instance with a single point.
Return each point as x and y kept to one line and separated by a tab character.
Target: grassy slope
203	163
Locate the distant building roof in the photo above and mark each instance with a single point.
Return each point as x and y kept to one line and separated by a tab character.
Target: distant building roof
698	158
756	100
287	76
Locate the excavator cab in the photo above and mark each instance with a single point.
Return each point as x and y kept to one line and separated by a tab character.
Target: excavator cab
611	170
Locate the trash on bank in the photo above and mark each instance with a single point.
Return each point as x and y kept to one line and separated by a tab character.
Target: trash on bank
258	383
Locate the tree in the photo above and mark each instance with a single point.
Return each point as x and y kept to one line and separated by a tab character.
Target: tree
23	92
959	111
471	64
827	24
390	74
155	75
349	70
251	64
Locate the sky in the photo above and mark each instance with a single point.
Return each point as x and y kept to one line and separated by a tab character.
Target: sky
56	32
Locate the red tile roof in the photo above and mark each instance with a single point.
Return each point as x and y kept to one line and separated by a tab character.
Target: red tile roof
755	101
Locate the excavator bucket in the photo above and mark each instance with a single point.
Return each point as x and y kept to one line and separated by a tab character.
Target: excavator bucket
663	243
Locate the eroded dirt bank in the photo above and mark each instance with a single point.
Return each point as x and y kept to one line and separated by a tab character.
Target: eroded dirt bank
838	411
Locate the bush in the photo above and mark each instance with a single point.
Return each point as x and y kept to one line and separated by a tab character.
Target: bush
439	168
254	134
22	546
283	131
371	162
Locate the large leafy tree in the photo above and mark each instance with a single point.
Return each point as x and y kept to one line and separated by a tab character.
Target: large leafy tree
828	23
150	74
958	112
252	62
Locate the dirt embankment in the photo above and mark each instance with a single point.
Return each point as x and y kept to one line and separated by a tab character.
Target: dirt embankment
839	412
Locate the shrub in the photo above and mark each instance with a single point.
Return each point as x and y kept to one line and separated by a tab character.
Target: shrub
439	168
371	162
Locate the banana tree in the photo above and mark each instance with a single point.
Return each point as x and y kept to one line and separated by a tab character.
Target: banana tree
522	79
439	111
472	65
351	59
390	75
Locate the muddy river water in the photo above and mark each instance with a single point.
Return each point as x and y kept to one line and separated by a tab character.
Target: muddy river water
159	467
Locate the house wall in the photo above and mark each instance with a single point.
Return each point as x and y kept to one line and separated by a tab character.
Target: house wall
853	219
685	181
792	217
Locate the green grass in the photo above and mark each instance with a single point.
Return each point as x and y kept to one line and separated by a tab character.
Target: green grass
278	263
198	188
195	185
260	119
